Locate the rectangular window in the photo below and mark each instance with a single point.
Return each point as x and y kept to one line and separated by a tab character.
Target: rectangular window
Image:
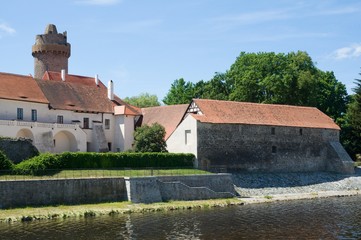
60	119
86	123
34	115
20	114
187	137
274	149
110	146
107	123
273	131
301	132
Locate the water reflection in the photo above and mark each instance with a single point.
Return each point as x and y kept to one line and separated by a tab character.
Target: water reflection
338	218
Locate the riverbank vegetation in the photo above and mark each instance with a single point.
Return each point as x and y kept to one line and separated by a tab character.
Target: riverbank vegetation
92	210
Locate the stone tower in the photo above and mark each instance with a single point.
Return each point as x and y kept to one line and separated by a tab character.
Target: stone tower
50	51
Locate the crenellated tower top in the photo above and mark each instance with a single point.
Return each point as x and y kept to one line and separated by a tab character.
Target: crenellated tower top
50	51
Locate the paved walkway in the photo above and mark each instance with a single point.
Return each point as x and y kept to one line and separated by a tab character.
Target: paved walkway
269	184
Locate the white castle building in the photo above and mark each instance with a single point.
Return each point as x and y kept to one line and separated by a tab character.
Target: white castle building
63	112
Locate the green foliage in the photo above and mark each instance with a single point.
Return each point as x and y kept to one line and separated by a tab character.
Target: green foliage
5	163
88	160
143	100
351	123
150	138
180	92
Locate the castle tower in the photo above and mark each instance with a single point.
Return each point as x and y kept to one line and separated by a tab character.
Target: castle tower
50	51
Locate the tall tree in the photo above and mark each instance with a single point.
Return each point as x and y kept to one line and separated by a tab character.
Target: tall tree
143	100
180	92
351	123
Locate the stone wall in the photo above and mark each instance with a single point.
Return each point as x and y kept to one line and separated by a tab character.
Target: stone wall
61	191
165	188
18	149
264	148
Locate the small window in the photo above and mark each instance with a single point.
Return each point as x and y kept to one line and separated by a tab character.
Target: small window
20	114
107	124
187	137
274	149
60	119
86	123
301	132
273	131
110	146
34	115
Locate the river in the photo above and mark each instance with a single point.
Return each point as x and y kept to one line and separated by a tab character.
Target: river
332	218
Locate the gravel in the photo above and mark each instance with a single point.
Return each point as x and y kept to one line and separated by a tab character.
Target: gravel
267	184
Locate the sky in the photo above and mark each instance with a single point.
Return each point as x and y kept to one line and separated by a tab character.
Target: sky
143	46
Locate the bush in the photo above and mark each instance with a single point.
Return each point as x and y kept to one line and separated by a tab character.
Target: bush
5	163
87	160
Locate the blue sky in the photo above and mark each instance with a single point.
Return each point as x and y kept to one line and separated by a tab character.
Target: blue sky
143	46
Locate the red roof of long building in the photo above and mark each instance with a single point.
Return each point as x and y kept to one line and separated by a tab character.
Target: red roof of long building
20	88
76	93
215	111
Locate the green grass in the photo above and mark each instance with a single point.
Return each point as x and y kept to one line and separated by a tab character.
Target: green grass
92	173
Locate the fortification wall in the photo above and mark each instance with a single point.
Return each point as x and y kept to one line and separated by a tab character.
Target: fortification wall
264	148
17	149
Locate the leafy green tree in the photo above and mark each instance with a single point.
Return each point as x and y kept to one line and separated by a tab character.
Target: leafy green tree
351	123
180	92
150	138
143	100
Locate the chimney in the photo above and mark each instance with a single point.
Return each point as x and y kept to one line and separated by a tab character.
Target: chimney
63	75
96	80
110	90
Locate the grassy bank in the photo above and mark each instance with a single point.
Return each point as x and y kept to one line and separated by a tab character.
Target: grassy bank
92	210
96	173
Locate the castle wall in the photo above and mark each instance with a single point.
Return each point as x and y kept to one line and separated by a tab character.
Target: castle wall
263	148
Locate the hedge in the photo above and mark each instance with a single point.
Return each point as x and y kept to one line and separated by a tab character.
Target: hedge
87	160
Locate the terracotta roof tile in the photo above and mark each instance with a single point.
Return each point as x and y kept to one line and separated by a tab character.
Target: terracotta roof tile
167	116
80	93
215	111
21	88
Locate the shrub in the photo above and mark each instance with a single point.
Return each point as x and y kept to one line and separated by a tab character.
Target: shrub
150	138
88	160
5	163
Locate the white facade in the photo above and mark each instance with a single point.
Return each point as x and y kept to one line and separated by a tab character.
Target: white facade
61	130
184	138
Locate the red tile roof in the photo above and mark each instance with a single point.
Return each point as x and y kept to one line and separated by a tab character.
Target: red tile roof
79	93
215	111
21	88
167	116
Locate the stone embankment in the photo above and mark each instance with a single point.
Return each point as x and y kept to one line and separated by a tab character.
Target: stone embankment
270	184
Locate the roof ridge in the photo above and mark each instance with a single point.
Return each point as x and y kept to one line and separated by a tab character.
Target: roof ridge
15	74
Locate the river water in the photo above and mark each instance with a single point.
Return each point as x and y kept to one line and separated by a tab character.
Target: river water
332	218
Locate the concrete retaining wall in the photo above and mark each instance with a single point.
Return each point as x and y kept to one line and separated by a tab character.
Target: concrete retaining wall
61	191
196	187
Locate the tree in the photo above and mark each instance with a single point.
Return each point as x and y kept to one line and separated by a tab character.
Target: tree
180	92
351	123
143	100
150	138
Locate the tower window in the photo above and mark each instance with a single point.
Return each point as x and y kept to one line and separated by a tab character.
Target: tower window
34	115
20	114
301	132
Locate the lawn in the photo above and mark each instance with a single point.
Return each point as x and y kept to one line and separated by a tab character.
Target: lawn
101	173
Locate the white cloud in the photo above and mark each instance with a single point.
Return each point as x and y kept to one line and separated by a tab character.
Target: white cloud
351	51
6	29
98	2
